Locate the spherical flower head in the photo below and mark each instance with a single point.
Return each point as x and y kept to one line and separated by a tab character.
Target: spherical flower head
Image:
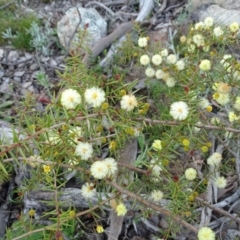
180	65
111	166
203	103
150	72
208	22
99	229
217	31
171	59
31	213
128	102
157	145
156	59
155	166
237	104
214	159
170	82
205	65
70	98
190	174
156	196
84	150
144	60
142	42
94	96
223	88
46	168
234	27
220	182
121	209
99	169
198	40
164	52
159	74
179	110
223	99
199	26
183	39
206	233
232	117
88	191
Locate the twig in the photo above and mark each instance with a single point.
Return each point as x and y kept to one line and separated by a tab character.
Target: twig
162	8
218	210
153	206
102	6
174	6
172	123
50	227
15	63
74	32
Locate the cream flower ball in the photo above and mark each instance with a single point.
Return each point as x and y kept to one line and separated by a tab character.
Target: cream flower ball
205	65
208	22
156	196
144	60
190	174
217	31
142	42
88	191
156	59
206	233
180	65
179	110
159	74
128	102
84	150
99	169
121	209
220	182
150	72
237	104
94	96
70	98
170	82
223	99
171	59
198	40
214	159
111	166
164	52
234	27
199	26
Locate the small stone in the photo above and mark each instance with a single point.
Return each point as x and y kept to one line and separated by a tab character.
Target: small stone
13	56
59	59
53	62
1	53
33	67
28	56
26	84
1	73
17	79
19	73
31	89
44	59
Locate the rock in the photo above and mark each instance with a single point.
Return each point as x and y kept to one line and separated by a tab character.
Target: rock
26	84
13	56
17	79
19	73
1	53
52	62
220	15
33	67
90	19
1	73
28	56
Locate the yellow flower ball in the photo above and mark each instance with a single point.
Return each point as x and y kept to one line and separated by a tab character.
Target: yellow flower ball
204	149
185	142
99	229
209	108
